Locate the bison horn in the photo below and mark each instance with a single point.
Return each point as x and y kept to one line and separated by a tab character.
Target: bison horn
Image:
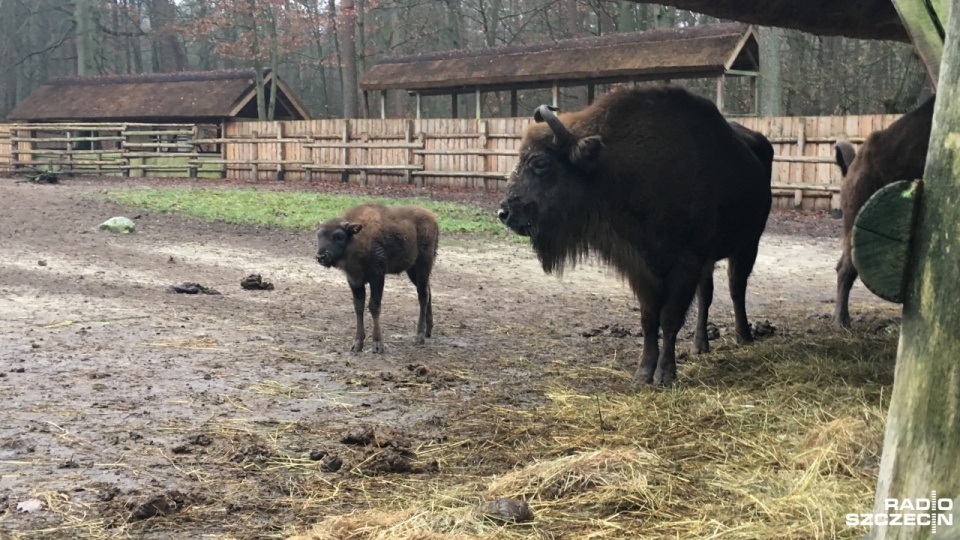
545	113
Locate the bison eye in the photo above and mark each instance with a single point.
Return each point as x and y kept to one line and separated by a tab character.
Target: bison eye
338	236
539	165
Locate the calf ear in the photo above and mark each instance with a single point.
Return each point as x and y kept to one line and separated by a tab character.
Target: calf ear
585	153
845	155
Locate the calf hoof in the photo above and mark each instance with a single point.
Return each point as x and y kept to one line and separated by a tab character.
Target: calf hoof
663	377
357	346
379	347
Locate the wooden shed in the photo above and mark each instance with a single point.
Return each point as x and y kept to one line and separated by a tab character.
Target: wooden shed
209	97
707	51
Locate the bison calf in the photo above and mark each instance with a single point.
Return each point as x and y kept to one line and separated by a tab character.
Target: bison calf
370	241
896	153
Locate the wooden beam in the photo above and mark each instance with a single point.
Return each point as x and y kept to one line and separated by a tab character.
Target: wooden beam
921	449
555	92
419	105
383	104
720	93
479	103
514	111
924	22
591	91
454	106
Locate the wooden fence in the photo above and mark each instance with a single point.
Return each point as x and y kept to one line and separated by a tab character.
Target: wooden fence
465	153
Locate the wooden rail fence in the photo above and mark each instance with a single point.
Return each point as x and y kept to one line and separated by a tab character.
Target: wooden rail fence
465	153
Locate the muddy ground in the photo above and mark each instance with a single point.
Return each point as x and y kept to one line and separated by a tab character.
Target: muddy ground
122	402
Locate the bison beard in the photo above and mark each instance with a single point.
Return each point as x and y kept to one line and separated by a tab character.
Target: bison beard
657	184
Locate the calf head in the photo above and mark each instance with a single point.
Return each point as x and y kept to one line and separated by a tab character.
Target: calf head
549	191
333	237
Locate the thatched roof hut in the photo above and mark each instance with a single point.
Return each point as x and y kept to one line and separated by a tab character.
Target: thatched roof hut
708	51
185	97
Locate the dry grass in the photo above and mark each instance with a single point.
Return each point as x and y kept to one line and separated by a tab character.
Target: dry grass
776	440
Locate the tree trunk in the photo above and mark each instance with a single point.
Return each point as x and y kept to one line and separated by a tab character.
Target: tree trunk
454	16
351	108
491	18
921	450
274	61
335	36
86	45
398	103
170	53
771	90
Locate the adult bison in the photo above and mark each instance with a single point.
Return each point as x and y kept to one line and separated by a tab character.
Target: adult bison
657	184
898	152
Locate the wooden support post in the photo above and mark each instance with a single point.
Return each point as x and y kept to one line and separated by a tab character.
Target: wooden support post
478	103
345	174
68	161
408	138
422	140
308	160
383	104
514	109
556	94
921	448
591	93
925	28
366	104
419	105
223	148
281	155
482	158
755	103
454	106
364	155
720	93
256	157
194	135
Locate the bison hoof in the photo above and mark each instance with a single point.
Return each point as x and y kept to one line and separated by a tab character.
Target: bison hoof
429	332
379	348
420	339
357	346
664	377
644	375
701	346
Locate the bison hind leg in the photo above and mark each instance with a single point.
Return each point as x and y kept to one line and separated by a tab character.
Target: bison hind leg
846	275
738	272
421	278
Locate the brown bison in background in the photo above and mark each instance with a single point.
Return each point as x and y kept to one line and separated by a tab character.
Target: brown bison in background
896	153
370	241
659	185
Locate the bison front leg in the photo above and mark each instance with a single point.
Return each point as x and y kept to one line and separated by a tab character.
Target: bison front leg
376	295
681	287
701	343
650	322
359	298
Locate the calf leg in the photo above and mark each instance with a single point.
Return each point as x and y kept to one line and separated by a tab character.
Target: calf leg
376	295
846	275
359	298
701	344
681	287
423	295
429	312
738	271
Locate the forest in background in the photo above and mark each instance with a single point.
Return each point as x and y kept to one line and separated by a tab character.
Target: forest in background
321	49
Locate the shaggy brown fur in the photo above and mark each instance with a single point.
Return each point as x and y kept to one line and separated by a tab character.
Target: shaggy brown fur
896	153
657	184
372	240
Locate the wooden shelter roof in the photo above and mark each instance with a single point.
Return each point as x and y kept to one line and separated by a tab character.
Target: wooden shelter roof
198	96
675	53
864	19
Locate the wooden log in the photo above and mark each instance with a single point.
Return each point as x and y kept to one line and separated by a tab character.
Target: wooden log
280	150
921	449
195	132
308	160
925	29
408	139
881	238
364	154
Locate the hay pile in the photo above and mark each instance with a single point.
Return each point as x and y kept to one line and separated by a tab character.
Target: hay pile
776	440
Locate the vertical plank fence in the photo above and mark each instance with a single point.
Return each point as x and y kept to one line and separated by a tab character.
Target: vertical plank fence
450	152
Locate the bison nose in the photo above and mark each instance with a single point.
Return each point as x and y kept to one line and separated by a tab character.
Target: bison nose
503	214
322	258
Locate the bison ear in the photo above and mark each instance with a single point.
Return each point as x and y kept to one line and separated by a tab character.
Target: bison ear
845	155
354	228
585	153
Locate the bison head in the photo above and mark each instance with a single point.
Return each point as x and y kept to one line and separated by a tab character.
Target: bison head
333	237
550	190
